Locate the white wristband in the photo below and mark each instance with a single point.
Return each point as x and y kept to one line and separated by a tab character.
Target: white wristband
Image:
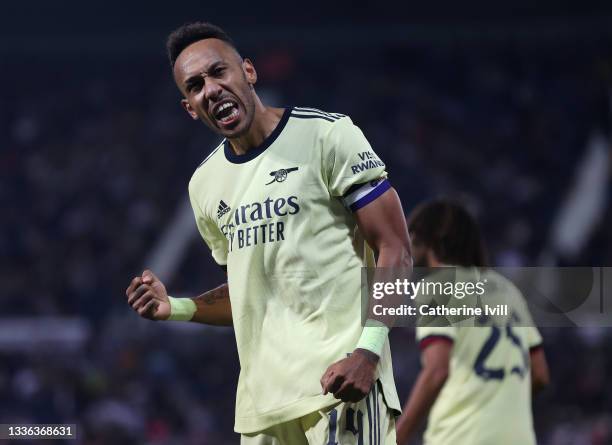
373	339
181	309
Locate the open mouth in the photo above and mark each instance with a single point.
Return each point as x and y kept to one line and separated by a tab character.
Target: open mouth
226	112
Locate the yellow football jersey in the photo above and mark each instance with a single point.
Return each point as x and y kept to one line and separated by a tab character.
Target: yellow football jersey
487	396
279	217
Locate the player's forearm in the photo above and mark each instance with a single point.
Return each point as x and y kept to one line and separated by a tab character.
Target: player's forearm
213	307
422	397
394	255
391	259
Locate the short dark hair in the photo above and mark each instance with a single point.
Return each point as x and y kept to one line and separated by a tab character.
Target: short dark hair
182	37
450	231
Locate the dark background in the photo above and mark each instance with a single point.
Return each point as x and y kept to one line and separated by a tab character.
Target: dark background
503	105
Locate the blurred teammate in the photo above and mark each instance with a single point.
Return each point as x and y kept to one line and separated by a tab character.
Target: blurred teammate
475	382
278	203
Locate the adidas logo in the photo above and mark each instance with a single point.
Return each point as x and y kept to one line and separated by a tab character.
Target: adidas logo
222	209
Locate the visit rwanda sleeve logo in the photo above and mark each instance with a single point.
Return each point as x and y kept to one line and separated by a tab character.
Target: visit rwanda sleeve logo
281	175
367	160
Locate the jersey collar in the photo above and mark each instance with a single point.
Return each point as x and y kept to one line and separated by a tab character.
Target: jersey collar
256	151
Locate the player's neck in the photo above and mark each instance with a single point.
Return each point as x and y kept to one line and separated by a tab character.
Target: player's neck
264	122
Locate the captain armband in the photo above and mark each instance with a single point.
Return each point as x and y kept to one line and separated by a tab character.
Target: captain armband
360	195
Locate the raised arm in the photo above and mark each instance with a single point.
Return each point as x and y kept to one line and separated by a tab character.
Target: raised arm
147	295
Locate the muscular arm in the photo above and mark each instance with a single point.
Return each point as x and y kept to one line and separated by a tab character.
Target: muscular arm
435	360
148	297
213	307
383	226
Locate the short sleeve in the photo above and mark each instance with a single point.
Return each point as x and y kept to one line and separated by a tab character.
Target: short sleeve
532	335
353	171
428	335
215	240
534	338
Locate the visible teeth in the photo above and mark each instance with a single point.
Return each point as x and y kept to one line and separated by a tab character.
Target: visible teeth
224	106
230	116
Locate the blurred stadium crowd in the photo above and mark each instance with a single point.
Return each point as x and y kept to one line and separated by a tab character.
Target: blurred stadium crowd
97	159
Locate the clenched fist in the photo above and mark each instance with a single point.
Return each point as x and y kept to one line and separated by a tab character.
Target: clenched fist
351	379
147	295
